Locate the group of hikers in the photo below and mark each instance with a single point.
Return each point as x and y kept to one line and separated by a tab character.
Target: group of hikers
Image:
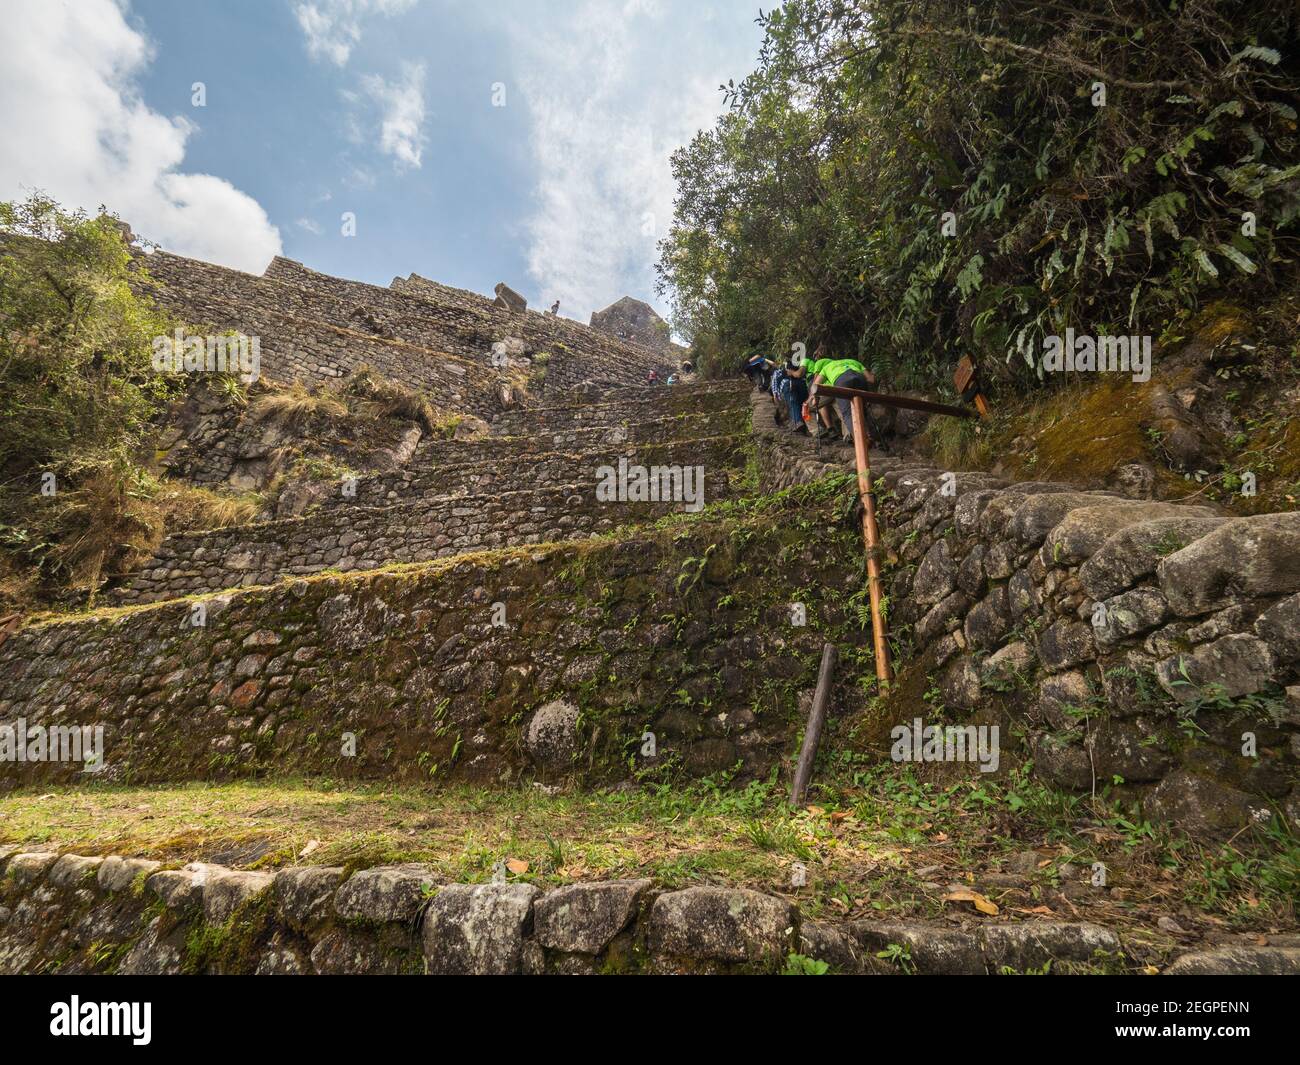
791	384
674	378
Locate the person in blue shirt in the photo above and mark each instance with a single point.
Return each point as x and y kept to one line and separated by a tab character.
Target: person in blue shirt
791	390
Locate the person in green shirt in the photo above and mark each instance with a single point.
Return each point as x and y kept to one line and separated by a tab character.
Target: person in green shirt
842	373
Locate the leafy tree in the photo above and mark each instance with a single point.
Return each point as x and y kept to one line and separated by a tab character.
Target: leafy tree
911	181
78	394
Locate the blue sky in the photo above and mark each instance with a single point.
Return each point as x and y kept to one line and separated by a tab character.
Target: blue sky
474	143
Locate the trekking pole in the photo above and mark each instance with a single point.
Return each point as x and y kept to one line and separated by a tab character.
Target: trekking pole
871	536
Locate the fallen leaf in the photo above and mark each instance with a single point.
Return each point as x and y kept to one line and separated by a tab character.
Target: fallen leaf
816	811
311	846
1033	909
981	903
1150	970
516	865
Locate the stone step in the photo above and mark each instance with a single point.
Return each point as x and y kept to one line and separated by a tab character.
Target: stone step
357	538
620	404
582	440
447	475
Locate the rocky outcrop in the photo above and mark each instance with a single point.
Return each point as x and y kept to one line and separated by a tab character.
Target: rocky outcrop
638	323
508	299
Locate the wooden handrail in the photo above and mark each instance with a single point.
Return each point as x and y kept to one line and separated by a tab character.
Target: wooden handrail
905	402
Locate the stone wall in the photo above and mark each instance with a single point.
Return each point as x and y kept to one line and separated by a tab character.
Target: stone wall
682	630
454	475
74	914
465	324
345	534
452	497
1140	645
306	337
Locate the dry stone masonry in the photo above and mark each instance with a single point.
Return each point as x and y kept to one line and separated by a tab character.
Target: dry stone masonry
1149	645
73	914
470	607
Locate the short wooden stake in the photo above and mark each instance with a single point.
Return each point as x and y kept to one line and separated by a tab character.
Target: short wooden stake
813	733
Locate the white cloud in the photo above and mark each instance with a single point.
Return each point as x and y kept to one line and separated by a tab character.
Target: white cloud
401	104
611	90
333	27
310	226
76	128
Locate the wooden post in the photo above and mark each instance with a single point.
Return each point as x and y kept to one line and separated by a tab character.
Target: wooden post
871	536
812	734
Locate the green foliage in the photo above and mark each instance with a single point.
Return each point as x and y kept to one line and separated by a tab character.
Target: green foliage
802	965
77	387
910	183
78	394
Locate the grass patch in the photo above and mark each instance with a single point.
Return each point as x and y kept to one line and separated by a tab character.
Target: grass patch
875	841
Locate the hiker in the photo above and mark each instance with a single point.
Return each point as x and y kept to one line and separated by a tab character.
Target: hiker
790	392
758	369
652	378
555	307
841	373
672	378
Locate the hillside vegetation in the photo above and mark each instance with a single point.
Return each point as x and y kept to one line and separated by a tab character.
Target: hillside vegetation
913	182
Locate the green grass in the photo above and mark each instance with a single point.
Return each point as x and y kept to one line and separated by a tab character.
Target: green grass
875	841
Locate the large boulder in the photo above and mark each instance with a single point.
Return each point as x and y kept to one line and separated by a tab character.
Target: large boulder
508	299
1233	666
932	950
722	924
584	918
1084	530
936	576
1134	552
1201	806
480	930
1238	961
551	736
1034	944
1128	614
1248	557
1064	699
304	894
1039	514
227	889
118	874
1279	627
385	893
1066	643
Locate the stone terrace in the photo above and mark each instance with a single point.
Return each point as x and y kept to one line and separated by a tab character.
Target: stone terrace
439	340
536	484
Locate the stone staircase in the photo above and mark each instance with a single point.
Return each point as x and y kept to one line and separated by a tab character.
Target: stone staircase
533	480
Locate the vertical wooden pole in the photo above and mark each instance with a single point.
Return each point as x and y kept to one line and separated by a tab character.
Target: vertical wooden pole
871	536
812	734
